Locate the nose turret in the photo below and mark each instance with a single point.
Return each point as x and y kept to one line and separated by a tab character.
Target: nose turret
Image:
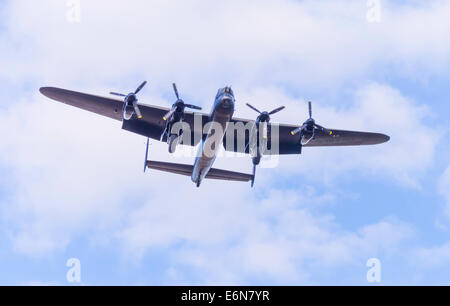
225	100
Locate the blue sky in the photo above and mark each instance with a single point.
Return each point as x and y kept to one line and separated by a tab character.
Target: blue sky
72	183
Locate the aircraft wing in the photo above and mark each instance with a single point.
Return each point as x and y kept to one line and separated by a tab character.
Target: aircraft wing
151	125
289	144
215	174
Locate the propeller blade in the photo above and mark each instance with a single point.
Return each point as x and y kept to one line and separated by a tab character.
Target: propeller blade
176	91
169	114
146	155
277	110
296	131
254	108
193	106
140	87
310	109
137	110
117	94
265	130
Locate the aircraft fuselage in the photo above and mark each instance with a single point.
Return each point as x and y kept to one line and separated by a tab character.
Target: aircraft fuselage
220	116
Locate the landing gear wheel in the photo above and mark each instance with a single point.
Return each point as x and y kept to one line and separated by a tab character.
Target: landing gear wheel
257	160
172	143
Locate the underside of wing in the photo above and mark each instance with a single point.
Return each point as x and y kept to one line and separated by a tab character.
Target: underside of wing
108	107
151	125
340	138
282	142
183	169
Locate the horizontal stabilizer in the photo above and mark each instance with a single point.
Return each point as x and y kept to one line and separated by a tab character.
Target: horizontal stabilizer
215	174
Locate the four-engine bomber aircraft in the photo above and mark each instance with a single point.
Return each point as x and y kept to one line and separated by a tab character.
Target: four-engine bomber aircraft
176	126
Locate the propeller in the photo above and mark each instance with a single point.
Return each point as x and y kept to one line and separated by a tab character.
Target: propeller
131	100
179	105
310	126
264	117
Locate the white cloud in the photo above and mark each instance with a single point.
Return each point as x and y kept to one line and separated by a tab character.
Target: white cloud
236	238
298	43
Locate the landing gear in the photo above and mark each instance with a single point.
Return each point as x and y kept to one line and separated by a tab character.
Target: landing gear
173	142
256	162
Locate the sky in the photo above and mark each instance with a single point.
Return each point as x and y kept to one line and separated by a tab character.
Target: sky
72	185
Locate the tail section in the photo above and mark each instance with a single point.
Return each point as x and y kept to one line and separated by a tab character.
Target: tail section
214	174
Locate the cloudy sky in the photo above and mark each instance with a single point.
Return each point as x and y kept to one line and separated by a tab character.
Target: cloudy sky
72	184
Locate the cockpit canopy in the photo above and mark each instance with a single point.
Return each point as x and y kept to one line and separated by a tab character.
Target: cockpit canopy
226	90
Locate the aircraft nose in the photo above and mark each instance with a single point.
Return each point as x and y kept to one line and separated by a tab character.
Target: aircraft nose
227	102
